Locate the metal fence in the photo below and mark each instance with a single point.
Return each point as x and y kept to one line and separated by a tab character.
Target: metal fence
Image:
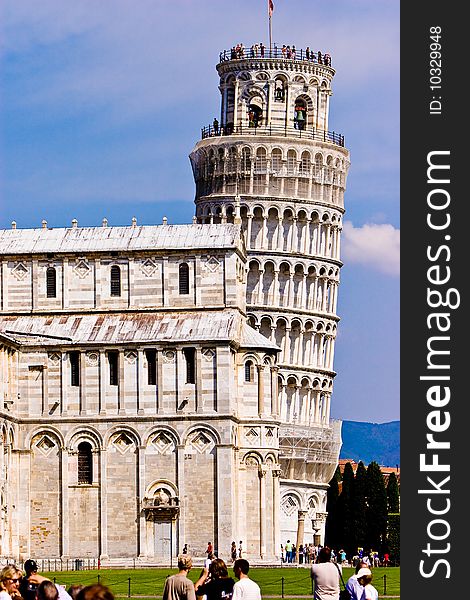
276	52
309	133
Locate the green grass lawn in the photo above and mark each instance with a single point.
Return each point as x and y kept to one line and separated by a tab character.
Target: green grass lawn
287	581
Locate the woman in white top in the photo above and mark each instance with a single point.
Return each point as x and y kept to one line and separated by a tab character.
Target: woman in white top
10	578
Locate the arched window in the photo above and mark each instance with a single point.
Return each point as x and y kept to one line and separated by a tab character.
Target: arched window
245	174
184	278
255	112
279	90
276	160
115	281
249	371
300	114
291	162
51	282
85	463
259	179
304	167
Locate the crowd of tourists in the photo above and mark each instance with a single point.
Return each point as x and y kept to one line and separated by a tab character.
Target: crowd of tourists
214	582
16	584
285	51
308	554
327	575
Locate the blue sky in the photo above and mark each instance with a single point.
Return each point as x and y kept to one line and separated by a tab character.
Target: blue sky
102	102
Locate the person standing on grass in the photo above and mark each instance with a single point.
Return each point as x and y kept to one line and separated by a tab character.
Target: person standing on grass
233	551
288	551
215	583
325	575
179	586
32	580
245	588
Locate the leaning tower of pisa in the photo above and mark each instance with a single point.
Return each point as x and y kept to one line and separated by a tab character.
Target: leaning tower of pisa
273	163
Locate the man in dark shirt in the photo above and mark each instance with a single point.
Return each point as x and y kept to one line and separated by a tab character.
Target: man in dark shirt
28	589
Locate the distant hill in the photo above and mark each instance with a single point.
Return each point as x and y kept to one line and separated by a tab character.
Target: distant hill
379	442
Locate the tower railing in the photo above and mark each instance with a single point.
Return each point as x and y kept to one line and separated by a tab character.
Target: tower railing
309	133
240	52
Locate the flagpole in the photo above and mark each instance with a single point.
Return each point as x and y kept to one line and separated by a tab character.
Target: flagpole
270	37
270	14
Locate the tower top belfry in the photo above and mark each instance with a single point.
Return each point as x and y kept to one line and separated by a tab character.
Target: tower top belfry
280	89
272	137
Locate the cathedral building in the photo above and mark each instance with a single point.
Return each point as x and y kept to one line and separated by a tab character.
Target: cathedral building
171	384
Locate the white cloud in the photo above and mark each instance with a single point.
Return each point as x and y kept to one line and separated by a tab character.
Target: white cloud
372	245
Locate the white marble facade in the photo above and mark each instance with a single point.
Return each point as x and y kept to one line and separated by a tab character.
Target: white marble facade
171	384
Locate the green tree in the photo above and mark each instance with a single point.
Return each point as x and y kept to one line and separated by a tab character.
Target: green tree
345	520
359	510
377	508
393	494
332	495
393	538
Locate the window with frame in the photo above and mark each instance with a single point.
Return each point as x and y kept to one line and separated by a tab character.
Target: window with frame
190	358
184	278
113	360
74	368
51	282
85	463
276	160
249	371
151	356
115	280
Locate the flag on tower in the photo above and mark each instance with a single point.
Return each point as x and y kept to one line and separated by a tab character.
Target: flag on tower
270	8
